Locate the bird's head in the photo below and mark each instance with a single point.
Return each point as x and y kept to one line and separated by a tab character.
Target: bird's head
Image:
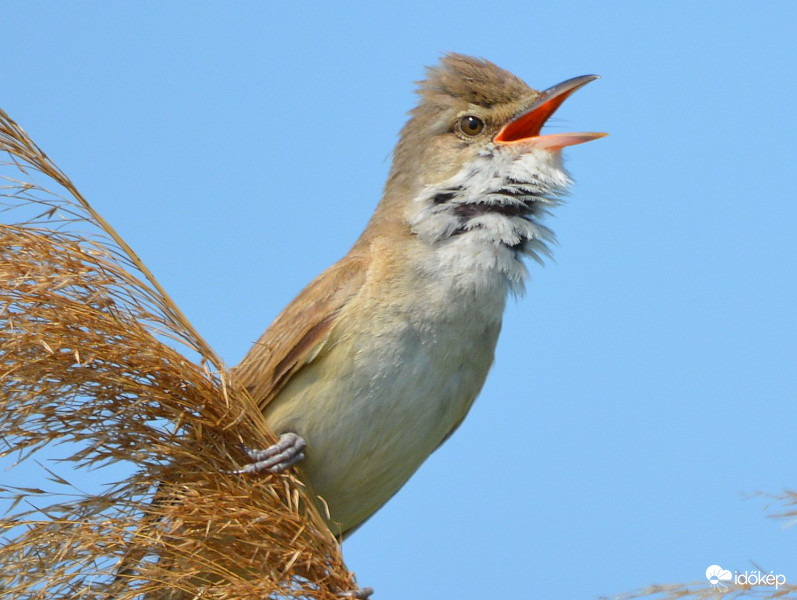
472	158
469	107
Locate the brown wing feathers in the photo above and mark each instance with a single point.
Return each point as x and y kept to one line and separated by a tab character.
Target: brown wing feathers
299	332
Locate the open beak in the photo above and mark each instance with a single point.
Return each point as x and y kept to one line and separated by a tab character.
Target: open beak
526	127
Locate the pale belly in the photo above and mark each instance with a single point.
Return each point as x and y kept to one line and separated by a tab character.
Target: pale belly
378	403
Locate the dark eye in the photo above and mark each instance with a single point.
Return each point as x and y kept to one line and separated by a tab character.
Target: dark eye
471	125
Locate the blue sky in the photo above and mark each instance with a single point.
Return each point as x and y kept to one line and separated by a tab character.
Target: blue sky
646	384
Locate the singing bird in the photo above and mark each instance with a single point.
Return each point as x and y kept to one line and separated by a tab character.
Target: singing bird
378	360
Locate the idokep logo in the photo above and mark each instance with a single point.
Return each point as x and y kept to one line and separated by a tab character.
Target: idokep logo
716	575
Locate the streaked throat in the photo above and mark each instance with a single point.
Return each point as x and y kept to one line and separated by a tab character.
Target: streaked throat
491	211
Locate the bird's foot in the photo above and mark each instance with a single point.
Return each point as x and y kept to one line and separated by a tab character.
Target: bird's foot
358	594
276	458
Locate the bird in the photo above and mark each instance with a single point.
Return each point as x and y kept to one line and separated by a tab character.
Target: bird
378	360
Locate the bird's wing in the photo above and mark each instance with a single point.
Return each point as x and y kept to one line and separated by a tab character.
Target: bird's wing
299	333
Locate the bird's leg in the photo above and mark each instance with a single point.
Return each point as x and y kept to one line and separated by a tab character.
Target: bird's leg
276	458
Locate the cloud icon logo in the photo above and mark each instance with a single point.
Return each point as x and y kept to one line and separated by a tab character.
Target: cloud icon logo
716	574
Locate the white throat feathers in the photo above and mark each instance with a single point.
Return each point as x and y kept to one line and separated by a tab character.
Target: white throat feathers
488	216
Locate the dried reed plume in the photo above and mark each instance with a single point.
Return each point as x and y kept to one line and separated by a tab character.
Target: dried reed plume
88	360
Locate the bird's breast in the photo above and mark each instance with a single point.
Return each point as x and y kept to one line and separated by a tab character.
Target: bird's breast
405	362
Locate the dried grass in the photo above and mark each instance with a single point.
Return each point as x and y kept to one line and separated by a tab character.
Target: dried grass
89	359
703	591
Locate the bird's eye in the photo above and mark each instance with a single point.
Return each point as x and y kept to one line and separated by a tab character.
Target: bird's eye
471	126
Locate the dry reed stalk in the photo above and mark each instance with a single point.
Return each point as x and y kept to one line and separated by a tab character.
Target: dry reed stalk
87	357
702	590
